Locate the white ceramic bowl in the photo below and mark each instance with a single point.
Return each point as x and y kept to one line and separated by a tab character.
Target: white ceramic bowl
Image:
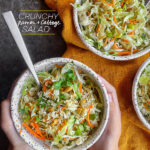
134	94
44	66
98	52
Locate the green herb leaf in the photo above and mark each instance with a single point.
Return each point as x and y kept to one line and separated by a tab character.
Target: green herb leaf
24	92
26	109
57	85
77	91
70	75
124	7
43	105
39	100
58	103
77	5
28	118
62	97
79	130
143	36
92	116
131	26
37	119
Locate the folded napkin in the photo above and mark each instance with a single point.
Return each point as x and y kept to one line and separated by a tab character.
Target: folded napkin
120	74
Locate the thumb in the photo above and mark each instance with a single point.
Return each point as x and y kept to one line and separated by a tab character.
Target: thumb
7	124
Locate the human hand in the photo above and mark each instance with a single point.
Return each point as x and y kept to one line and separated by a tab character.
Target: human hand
110	138
7	126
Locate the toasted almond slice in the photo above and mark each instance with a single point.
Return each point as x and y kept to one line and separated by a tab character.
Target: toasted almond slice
68	89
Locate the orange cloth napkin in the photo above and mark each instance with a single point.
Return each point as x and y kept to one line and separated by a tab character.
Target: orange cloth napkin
120	74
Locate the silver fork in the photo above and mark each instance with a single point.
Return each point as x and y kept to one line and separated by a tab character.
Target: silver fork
12	25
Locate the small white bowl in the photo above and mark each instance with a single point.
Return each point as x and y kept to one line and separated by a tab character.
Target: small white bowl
98	52
44	66
134	94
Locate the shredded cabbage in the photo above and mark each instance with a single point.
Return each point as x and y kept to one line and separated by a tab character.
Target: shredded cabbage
60	109
143	93
115	27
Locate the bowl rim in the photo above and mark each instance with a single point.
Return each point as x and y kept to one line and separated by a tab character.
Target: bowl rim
134	95
55	60
96	51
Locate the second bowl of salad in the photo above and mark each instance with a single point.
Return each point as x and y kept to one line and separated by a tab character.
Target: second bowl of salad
141	93
69	111
115	29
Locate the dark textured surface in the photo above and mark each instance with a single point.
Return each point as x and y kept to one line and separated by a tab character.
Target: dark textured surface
39	46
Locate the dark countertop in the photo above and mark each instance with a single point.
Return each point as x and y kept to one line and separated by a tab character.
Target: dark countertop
39	47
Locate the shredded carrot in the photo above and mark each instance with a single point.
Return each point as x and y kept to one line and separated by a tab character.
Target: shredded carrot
115	20
108	3
127	52
28	94
58	106
51	92
88	13
82	121
88	118
132	32
31	108
61	126
79	71
46	83
62	109
73	138
21	129
112	39
44	88
37	108
80	84
32	132
136	50
59	66
123	53
67	130
115	46
132	21
107	18
111	52
49	138
98	28
106	42
146	107
32	124
122	4
124	40
74	128
65	139
38	130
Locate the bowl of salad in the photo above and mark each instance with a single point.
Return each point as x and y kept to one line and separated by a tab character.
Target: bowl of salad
141	93
69	111
113	29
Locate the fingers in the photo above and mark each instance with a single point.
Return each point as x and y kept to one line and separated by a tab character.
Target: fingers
7	124
108	86
112	93
114	123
